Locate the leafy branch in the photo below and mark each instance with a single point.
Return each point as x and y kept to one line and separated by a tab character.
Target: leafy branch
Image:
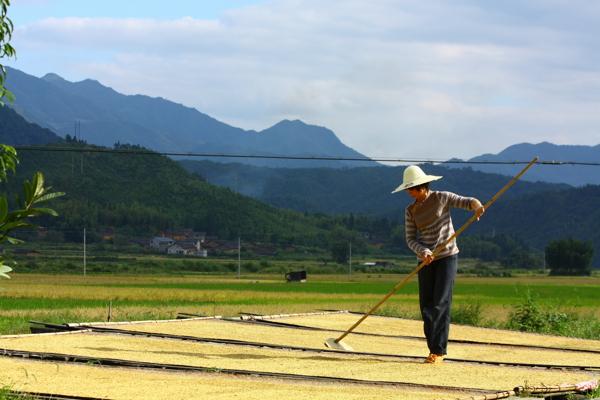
6	50
34	193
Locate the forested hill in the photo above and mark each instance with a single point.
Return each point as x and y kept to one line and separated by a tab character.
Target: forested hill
365	191
140	194
540	217
535	212
15	131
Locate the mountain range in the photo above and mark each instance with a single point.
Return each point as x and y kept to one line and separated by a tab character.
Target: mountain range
139	193
559	164
101	116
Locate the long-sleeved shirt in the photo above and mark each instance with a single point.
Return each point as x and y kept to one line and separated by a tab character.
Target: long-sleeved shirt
429	225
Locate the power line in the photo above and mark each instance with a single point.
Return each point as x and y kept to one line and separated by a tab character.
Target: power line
295	157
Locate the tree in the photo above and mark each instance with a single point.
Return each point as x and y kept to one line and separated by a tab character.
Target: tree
340	251
339	244
6	50
479	247
34	192
569	257
521	260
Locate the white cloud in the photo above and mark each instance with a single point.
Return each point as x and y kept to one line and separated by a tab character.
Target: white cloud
432	79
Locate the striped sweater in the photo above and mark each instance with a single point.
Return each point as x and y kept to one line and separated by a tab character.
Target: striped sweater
429	224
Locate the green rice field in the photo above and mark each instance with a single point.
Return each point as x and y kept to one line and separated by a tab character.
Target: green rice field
69	298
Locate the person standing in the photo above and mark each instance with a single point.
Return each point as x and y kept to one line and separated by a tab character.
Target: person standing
429	225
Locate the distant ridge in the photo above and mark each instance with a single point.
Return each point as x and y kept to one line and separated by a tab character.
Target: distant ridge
574	175
106	117
16	131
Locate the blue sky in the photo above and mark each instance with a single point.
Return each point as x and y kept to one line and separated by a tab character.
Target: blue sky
392	78
28	11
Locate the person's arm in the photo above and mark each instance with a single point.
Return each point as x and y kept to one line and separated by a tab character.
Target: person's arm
467	203
412	242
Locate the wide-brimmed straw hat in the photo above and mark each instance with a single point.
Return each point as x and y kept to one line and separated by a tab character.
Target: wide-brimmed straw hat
414	176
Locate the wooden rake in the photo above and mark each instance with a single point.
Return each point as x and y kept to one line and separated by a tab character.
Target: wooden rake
338	344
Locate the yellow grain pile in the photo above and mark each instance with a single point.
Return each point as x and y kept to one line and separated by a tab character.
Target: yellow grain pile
129	384
348	365
387	345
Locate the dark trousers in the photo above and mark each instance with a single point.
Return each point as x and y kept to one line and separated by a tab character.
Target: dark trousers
436	282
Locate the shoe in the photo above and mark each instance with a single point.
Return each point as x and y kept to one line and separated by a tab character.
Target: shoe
434	359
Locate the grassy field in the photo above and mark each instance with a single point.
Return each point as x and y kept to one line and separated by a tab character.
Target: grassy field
71	298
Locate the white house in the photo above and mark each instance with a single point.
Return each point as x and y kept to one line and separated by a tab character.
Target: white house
185	248
161	243
369	264
177	248
197	243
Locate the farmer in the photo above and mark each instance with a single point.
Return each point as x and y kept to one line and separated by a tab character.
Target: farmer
429	225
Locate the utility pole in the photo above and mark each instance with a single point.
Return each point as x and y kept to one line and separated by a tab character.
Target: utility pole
78	127
84	254
544	262
239	258
350	259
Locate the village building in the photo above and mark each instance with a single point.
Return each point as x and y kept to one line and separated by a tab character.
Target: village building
185	248
265	251
218	246
144	242
24	252
181	234
161	243
106	234
379	264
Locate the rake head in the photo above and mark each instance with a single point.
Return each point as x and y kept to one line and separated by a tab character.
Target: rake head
339	345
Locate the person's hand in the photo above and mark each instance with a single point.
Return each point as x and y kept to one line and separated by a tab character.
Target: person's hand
477	208
479	211
428	258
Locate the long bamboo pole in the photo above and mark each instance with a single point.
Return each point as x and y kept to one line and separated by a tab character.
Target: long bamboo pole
526	390
336	341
